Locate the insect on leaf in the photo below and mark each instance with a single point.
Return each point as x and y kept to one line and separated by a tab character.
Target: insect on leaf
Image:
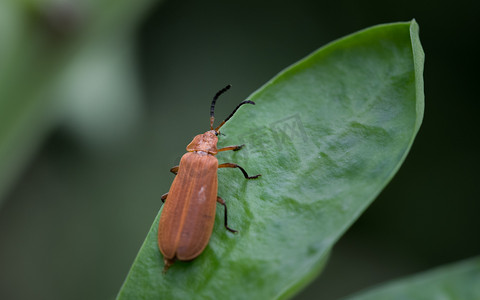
327	134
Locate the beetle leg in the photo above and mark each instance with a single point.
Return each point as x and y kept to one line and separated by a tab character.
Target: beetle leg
174	170
164	196
222	202
234	148
231	165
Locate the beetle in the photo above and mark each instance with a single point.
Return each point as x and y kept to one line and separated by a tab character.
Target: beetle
188	215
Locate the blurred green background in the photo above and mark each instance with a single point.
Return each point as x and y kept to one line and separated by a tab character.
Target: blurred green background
98	99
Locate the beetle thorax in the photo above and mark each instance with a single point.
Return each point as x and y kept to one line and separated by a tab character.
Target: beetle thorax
206	142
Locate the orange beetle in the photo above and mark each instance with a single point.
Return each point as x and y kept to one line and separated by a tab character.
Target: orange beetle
188	215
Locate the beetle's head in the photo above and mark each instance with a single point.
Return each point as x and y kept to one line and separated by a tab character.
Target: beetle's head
206	142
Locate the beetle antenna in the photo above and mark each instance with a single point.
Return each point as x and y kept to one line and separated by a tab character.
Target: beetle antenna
233	112
212	107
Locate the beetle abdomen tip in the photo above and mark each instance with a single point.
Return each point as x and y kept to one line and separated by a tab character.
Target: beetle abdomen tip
168	264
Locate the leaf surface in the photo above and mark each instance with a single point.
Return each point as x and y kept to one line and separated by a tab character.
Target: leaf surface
456	281
327	134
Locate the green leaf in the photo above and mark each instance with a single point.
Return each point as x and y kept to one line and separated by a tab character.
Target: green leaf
456	281
327	134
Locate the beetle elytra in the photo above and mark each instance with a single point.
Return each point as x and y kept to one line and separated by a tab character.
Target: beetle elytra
188	215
